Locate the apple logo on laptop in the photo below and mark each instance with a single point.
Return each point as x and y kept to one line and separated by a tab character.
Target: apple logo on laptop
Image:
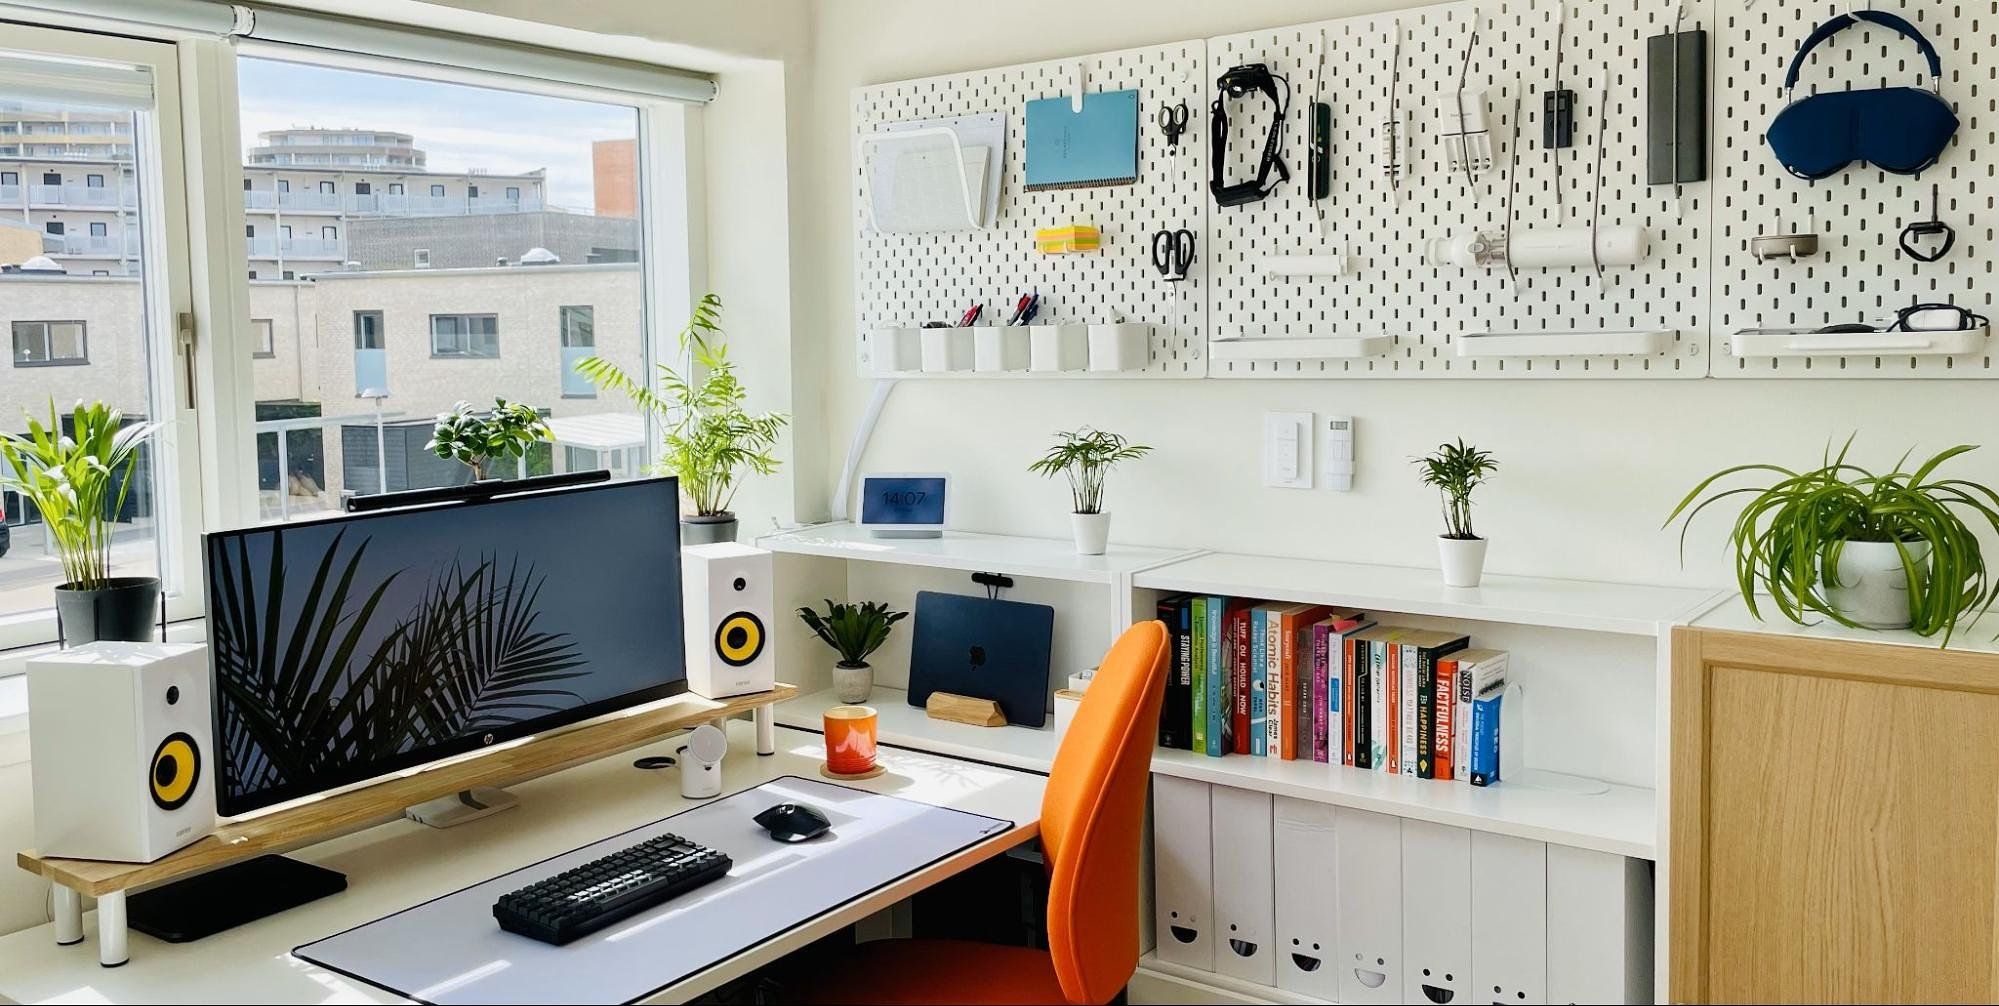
978	656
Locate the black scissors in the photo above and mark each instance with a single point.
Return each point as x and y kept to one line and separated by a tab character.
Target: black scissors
1173	253
1173	122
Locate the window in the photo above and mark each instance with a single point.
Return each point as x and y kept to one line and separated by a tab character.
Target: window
513	193
93	181
99	229
50	344
363	189
326	188
265	345
249	230
10	178
368	330
578	329
52	227
420	258
467	335
290	274
100	272
437	191
51	178
471	191
330	233
285	231
246	185
284	185
395	188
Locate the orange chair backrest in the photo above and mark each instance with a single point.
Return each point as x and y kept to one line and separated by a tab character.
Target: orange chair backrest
1093	818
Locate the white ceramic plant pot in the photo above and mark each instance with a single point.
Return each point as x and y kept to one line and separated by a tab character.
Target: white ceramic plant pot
1463	560
1873	588
1093	532
852	685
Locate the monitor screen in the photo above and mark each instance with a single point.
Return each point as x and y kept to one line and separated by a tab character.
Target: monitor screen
903	499
353	646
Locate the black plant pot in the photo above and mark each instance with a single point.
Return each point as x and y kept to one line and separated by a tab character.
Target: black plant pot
125	609
708	529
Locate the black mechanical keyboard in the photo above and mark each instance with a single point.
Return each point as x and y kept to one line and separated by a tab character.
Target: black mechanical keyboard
581	901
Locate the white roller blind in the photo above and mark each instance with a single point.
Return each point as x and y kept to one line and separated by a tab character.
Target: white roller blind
375	38
74	82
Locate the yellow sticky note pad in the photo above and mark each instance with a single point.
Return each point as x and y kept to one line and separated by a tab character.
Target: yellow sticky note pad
1062	240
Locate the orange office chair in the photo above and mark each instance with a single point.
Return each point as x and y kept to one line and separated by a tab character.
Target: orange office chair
1092	819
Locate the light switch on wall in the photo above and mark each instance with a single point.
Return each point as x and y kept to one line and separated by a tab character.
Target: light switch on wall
1338	439
1287	450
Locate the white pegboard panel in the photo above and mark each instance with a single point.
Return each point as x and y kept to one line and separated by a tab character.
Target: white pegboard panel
1390	289
907	279
1860	273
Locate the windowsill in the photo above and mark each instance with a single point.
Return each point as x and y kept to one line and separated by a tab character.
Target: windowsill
14	679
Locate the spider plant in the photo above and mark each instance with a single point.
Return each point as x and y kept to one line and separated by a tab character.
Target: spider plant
1086	456
1792	530
1455	470
854	631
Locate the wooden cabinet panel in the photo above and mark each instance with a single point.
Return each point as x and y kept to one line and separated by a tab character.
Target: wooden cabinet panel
1835	821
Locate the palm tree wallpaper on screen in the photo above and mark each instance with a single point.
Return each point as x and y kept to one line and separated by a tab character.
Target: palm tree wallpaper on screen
320	676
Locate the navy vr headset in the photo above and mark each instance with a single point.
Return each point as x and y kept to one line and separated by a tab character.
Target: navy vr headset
1901	130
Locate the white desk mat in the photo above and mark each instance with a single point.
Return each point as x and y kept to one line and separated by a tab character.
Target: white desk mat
450	949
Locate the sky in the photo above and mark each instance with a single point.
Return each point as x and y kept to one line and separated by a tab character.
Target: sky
455	125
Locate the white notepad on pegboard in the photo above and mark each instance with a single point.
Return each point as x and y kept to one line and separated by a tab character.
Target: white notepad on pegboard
450	949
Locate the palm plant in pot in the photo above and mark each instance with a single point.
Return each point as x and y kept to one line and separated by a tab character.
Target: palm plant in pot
1455	470
1086	457
79	482
1889	551
855	632
478	440
712	441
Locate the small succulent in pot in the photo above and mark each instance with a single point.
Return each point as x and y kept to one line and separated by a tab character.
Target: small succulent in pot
855	632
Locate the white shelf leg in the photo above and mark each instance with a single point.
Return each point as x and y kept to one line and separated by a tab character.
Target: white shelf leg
69	916
111	929
766	720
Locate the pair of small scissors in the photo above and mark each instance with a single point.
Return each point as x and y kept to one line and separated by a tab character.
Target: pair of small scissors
1173	253
1173	122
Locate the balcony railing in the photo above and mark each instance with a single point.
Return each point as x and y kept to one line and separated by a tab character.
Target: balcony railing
323	249
385	204
92	197
10	195
96	246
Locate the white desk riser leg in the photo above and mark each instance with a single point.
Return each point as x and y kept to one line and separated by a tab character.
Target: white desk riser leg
766	720
111	929
68	916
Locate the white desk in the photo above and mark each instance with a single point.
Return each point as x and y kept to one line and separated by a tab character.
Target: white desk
393	866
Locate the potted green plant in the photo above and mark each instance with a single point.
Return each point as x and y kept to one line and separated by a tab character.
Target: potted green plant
1086	457
711	440
1890	551
1455	470
478	439
78	481
854	631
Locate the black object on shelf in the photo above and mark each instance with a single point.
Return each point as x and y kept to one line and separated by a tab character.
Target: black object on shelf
222	899
476	492
1676	107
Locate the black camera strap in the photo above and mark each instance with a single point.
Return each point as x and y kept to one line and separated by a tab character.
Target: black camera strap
1238	83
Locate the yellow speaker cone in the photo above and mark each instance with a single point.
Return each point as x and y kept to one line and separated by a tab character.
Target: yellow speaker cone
740	639
176	768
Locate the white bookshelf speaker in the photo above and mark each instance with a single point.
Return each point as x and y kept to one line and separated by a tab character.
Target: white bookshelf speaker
118	743
727	595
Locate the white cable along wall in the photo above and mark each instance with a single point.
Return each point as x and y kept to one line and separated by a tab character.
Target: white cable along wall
1697	284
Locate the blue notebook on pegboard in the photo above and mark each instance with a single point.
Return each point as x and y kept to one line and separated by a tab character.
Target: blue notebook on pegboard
1067	149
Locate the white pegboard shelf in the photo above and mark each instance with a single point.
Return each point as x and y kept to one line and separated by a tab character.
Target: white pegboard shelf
1041	558
1798	342
1498	344
1317	347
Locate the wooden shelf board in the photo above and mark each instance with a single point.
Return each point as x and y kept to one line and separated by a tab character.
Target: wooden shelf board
339	813
900	724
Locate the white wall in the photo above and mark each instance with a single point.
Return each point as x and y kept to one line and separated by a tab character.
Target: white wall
1590	469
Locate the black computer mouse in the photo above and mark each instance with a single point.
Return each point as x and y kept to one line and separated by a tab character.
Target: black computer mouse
794	822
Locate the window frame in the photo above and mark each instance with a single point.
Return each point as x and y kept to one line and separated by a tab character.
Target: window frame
465	335
264	339
49	359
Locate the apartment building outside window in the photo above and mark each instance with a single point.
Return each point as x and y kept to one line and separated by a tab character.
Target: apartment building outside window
50	344
475	336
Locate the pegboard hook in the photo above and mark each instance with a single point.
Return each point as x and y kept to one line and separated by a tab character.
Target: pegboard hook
1076	90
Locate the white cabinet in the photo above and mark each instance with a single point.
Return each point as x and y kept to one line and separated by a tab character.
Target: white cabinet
1244	912
1436	912
1599	927
1307	956
1509	919
1183	899
1367	852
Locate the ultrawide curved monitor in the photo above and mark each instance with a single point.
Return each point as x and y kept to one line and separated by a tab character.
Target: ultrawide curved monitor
360	645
